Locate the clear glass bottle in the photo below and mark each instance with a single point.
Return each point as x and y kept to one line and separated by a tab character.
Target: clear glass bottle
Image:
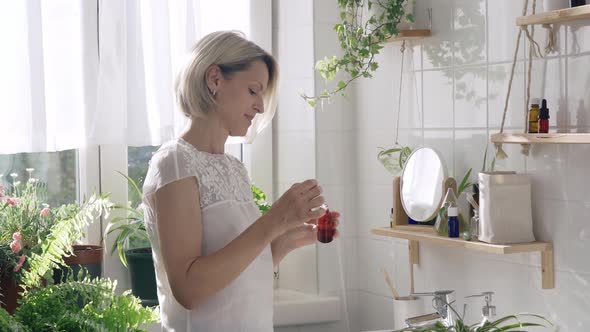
441	225
474	225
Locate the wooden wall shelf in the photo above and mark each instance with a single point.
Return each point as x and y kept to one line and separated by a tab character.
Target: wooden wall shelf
556	16
564	138
428	235
411	34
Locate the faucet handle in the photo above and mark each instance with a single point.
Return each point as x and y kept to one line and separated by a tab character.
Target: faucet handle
487	310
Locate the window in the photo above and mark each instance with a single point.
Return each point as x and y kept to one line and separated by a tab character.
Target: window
58	170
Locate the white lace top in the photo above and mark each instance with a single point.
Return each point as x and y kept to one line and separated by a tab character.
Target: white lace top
227	209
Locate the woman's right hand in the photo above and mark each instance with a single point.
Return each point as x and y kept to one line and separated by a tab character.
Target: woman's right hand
300	204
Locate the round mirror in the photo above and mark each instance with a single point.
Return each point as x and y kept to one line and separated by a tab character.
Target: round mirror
422	184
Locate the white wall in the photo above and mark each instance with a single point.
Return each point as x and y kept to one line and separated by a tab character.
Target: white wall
459	77
294	125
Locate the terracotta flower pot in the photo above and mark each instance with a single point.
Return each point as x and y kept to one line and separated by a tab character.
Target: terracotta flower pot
10	293
85	256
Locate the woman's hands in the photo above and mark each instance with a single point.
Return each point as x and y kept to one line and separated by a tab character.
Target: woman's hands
298	205
297	237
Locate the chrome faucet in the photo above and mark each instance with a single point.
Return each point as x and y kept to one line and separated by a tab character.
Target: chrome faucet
440	302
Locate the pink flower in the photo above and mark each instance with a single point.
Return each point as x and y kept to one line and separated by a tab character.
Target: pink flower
20	263
16	246
44	212
11	201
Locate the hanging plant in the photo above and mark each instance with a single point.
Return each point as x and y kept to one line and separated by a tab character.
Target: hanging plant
394	159
365	26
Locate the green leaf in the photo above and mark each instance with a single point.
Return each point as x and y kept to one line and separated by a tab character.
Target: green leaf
465	182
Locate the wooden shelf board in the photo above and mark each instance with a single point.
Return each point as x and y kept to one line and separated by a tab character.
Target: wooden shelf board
432	237
562	138
411	34
556	16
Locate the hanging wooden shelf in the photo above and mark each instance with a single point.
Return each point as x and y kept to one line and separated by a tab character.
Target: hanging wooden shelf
558	138
430	236
556	16
411	34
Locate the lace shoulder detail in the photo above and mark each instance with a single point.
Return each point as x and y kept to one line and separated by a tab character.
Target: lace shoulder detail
221	177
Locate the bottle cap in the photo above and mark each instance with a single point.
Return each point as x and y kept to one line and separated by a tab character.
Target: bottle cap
453	211
535	101
544	111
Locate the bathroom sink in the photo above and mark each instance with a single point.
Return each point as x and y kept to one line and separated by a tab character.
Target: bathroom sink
297	308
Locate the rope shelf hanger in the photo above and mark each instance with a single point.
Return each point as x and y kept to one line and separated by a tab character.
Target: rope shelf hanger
534	51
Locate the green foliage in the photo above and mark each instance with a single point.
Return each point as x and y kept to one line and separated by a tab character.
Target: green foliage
364	27
62	235
260	199
394	159
465	182
504	324
87	305
34	236
9	323
131	226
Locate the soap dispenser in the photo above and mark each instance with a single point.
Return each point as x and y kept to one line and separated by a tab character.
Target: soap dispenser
488	311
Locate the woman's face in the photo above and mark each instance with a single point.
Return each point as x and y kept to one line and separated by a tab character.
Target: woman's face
240	98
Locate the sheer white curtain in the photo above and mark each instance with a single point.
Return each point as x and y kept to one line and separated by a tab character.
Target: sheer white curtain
48	67
80	72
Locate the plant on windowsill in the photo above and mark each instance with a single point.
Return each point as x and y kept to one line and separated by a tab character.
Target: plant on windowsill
364	27
133	246
35	239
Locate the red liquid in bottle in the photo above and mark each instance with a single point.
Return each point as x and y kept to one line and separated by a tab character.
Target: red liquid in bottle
326	228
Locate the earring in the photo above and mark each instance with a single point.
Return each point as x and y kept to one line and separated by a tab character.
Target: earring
214	93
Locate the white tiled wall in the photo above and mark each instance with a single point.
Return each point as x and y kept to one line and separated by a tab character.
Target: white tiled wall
461	77
453	97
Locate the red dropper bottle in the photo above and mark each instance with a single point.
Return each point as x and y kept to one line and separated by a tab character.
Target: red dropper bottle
544	118
326	228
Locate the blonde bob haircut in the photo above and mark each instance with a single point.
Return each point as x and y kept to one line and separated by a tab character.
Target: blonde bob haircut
232	52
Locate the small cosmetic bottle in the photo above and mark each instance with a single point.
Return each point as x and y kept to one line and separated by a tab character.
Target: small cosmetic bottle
326	228
453	222
544	118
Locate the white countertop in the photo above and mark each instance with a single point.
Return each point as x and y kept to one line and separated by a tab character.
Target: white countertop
297	308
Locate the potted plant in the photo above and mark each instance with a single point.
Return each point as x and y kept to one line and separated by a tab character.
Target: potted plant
36	238
132	245
84	305
364	28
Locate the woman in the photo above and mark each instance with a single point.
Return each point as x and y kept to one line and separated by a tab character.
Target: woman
213	251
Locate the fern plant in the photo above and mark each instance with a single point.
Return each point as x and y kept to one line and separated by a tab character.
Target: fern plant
87	305
9	323
62	235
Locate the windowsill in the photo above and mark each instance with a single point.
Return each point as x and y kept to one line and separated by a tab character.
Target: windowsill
297	308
